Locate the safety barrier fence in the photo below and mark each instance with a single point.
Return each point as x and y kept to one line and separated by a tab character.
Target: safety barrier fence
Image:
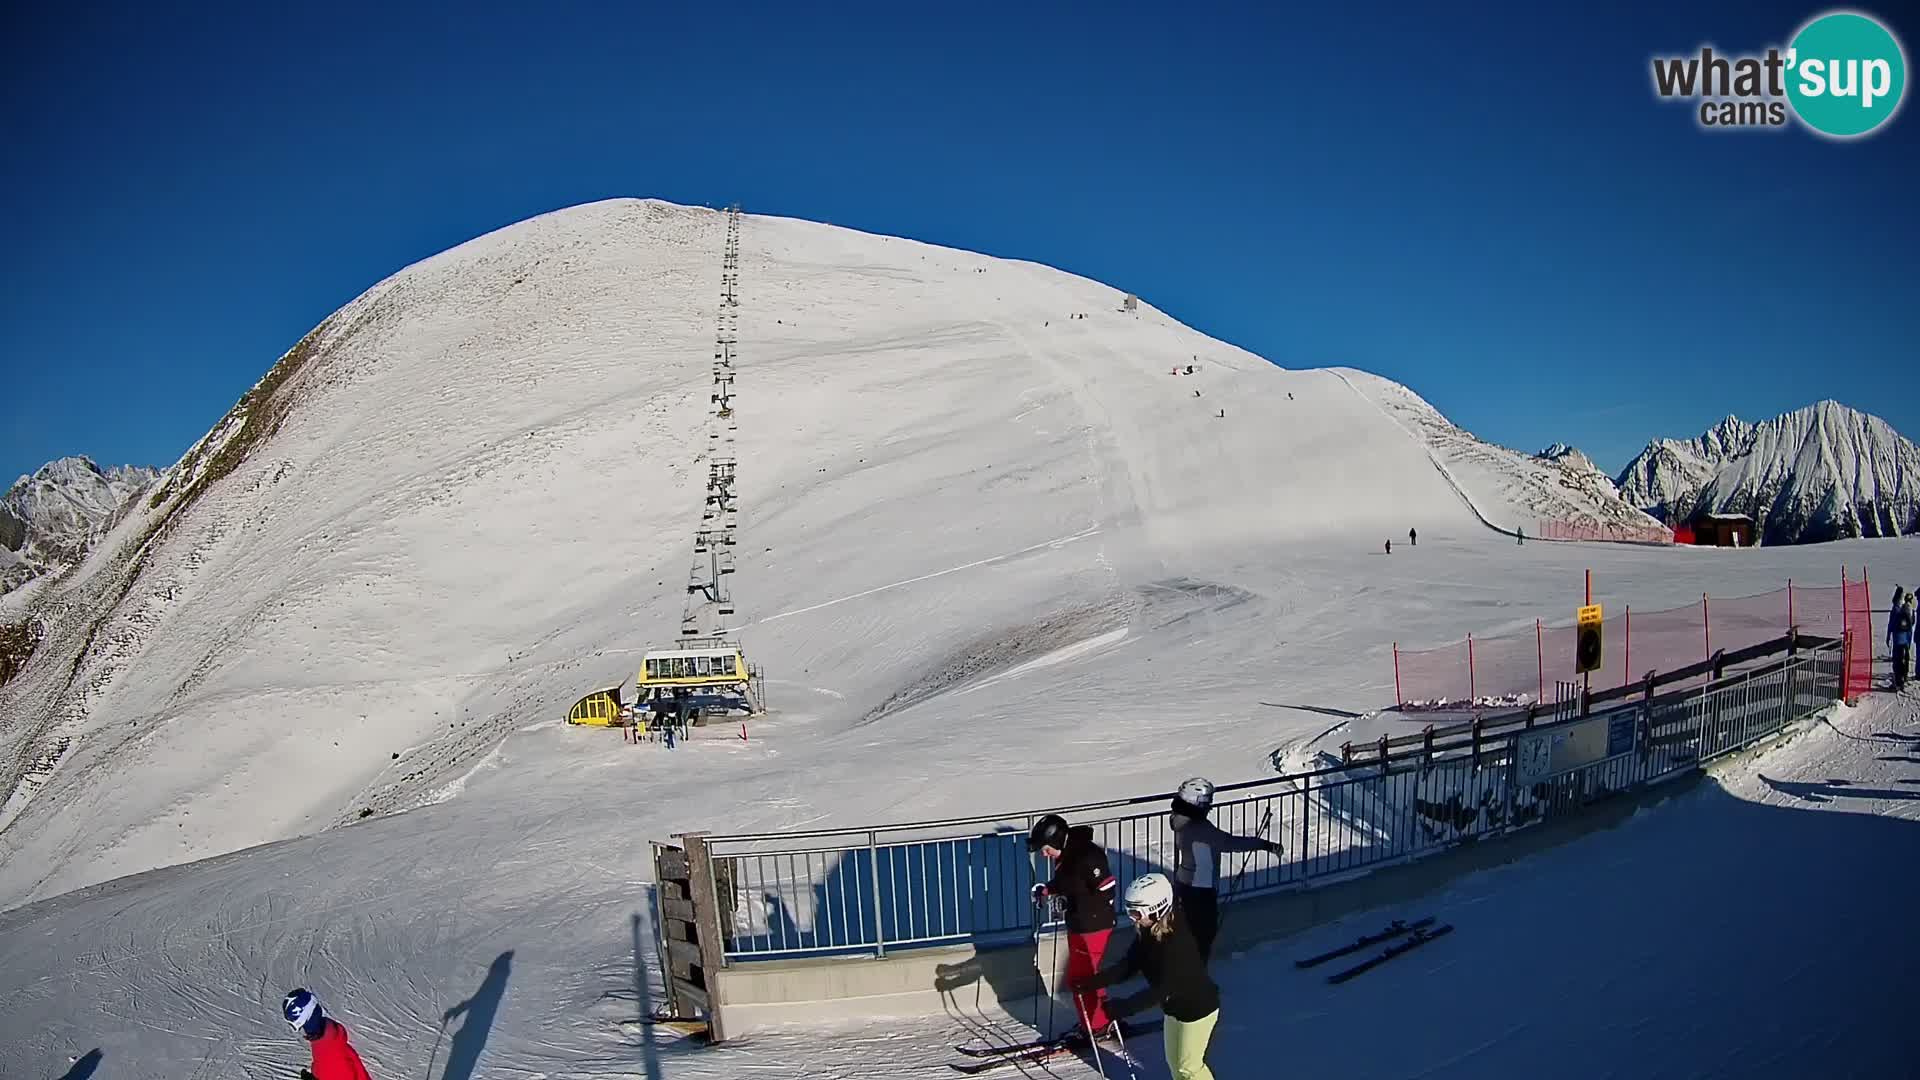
1515	668
869	891
1605	531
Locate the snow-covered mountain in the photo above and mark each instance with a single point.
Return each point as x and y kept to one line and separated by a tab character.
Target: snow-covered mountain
1568	457
48	521
434	521
1824	472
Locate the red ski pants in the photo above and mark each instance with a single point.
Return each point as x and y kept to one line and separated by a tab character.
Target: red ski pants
1083	959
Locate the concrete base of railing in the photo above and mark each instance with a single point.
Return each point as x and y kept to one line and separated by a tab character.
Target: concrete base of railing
961	981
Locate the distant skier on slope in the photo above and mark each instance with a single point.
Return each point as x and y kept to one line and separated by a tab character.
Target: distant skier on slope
1413	538
1084	885
1165	952
333	1056
1197	847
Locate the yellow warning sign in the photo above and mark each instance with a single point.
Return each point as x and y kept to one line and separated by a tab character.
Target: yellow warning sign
1587	639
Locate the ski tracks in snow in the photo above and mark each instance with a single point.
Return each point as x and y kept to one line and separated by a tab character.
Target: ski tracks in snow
1056	543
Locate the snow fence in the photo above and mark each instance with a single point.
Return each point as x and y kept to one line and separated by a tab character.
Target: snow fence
1514	668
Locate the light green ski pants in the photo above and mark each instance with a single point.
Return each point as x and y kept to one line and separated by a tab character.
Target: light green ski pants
1187	1047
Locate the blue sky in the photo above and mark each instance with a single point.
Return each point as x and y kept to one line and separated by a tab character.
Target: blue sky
1495	211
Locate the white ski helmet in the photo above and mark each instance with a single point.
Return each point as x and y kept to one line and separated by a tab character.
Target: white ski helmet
1197	792
1150	895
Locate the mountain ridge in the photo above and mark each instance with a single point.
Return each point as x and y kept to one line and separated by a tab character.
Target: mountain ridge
1821	472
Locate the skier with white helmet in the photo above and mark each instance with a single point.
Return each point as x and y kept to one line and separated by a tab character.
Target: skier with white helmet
1197	847
333	1056
1165	953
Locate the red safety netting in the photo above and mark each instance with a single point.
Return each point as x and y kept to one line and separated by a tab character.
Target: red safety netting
1433	677
1604	530
1818	610
1856	606
1516	668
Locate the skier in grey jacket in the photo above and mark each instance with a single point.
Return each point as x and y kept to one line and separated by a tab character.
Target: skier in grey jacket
1197	847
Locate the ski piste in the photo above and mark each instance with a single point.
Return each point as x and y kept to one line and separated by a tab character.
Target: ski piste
1393	930
1418	938
987	1059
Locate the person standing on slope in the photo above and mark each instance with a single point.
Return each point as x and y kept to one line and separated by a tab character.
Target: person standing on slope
1197	847
1413	538
1084	886
1900	635
1165	952
333	1056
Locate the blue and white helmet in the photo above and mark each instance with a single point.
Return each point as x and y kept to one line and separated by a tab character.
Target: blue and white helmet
302	1010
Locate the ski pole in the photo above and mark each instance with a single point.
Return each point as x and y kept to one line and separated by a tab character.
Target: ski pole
1265	821
436	1045
1120	1036
1053	972
1093	1040
1039	985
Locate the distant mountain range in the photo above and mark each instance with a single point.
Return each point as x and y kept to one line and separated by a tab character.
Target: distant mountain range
49	521
1825	472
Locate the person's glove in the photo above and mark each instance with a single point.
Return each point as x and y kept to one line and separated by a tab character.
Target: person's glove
1274	846
306	1073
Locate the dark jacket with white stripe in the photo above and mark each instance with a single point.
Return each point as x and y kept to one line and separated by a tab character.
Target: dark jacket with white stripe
1082	880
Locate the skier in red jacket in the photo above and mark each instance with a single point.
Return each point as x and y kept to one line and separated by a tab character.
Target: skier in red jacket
333	1056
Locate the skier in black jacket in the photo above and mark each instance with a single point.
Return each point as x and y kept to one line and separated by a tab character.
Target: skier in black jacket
1084	886
1165	953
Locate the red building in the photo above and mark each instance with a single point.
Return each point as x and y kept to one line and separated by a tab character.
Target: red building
1717	530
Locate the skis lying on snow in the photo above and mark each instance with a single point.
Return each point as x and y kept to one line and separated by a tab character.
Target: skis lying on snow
1393	930
989	1058
1414	940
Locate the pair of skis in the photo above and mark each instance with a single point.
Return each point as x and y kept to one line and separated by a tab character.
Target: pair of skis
1415	934
990	1058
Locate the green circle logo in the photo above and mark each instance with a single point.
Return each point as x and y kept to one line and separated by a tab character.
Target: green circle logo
1846	74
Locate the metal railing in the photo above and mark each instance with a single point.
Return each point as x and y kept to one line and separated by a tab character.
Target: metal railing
865	891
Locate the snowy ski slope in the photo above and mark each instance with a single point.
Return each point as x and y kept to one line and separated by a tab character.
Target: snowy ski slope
480	499
993	556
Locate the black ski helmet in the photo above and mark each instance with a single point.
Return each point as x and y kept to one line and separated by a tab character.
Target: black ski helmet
1049	831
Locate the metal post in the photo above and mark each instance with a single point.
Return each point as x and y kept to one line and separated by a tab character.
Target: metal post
1540	661
879	930
1706	625
1626	666
1398	697
706	913
1473	690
